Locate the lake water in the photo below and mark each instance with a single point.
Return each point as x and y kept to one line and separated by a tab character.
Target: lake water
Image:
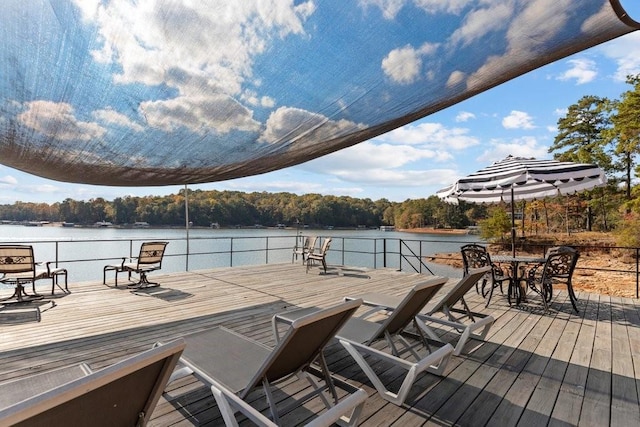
85	251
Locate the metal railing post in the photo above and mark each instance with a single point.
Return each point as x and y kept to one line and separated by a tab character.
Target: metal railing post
384	252
231	252
375	254
266	256
637	272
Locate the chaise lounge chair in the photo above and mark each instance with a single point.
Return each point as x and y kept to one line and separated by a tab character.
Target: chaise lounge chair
359	335
149	259
466	324
123	394
234	365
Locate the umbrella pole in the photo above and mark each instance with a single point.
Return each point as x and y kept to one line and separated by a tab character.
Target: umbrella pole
513	225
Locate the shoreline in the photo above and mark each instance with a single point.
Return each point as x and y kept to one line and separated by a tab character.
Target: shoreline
430	230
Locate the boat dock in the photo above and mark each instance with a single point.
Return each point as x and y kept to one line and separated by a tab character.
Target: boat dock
557	368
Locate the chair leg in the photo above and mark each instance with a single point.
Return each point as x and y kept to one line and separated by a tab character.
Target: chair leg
104	274
63	272
490	294
33	286
572	297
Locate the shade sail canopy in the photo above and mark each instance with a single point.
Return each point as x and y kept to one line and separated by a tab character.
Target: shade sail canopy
516	179
159	92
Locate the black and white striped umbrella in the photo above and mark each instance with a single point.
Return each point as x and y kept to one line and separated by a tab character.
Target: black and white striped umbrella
516	178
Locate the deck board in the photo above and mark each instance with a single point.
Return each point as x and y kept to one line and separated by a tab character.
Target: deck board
535	368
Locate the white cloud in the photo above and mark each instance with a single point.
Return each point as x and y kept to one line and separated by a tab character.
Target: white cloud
481	22
9	183
290	186
518	120
402	65
464	116
369	155
8	180
138	36
432	135
520	147
293	124
57	120
455	78
389	8
113	117
42	189
380	165
438	6
398	178
539	22
193	113
254	99
582	70
625	51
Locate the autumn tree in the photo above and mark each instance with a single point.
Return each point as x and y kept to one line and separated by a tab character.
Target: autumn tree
626	130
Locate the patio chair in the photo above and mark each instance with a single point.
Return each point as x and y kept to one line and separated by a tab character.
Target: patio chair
321	256
149	259
462	320
557	268
234	365
18	267
361	336
123	394
477	256
307	247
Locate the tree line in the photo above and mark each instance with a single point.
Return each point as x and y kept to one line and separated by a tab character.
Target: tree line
595	130
233	208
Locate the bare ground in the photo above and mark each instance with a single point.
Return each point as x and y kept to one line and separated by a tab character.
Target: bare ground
616	268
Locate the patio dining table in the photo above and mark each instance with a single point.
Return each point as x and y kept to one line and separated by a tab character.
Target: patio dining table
517	292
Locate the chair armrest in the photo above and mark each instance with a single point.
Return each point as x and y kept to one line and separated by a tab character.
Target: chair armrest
48	263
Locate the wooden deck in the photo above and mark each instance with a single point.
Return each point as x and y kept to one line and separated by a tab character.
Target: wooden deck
535	369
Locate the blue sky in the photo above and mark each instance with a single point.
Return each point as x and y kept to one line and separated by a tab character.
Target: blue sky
517	118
